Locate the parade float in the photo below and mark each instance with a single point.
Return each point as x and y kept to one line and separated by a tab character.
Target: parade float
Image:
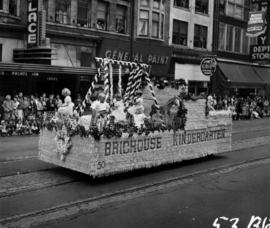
173	130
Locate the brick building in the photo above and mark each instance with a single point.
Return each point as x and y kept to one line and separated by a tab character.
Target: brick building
69	34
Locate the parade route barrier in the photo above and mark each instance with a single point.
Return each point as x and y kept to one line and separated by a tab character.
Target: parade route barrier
203	135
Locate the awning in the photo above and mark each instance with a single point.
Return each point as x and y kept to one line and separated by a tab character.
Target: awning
190	72
264	73
51	69
241	76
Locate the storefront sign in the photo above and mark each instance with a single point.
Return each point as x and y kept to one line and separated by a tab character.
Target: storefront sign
208	65
256	24
32	23
260	52
137	57
152	53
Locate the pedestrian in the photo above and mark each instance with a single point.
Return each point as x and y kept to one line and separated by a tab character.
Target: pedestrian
8	107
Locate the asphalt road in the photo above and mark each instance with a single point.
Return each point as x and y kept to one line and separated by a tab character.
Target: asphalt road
223	198
33	192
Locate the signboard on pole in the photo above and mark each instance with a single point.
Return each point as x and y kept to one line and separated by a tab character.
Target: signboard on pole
32	23
256	24
208	65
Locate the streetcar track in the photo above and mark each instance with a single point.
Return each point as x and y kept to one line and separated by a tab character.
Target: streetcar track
71	209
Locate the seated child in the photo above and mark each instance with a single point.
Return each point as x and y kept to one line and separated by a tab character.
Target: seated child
3	128
19	127
34	128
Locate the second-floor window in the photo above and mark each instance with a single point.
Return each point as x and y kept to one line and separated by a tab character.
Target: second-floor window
180	32
13	7
62	11
181	3
235	8
200	36
233	39
102	15
144	23
1	4
201	6
82	14
151	18
120	19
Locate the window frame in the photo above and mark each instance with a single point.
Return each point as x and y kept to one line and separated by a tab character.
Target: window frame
1	5
62	18
202	12
200	32
161	19
179	34
106	19
117	16
244	40
184	6
83	22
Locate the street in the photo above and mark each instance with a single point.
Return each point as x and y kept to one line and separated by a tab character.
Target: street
188	194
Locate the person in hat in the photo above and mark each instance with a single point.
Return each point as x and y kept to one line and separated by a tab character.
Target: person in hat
67	107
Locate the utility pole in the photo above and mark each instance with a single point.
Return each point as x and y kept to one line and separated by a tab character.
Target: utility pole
131	46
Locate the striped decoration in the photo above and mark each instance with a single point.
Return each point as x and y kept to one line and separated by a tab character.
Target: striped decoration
120	80
129	89
111	82
106	80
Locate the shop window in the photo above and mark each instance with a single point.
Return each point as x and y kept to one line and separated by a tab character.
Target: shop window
62	11
237	39
86	59
180	32
181	3
221	39
144	23
120	19
200	36
201	6
102	15
82	12
13	7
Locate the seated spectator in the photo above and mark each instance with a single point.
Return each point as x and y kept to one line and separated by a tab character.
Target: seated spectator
19	127
34	128
3	128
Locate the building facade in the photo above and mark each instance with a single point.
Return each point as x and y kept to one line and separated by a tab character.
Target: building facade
56	47
191	26
236	73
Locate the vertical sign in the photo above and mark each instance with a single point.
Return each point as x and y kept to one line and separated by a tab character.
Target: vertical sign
32	23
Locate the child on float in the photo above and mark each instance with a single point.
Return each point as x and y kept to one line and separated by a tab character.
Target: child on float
137	110
118	109
67	107
100	110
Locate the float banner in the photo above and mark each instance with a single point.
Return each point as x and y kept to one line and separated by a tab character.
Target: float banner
260	52
32	23
256	24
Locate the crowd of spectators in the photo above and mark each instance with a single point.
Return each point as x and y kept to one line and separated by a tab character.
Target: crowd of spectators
243	108
23	115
